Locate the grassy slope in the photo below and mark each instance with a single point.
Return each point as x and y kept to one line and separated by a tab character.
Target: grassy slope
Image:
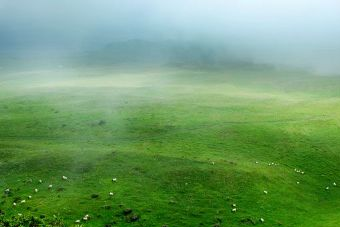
160	132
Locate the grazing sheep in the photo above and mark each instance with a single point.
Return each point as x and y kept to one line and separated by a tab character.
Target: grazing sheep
29	197
234	205
213	163
19	214
114	179
111	193
23	201
36	190
299	171
297	182
327	188
334	184
261	220
7	190
64	178
233	210
40	181
77	221
14	204
265	192
257	162
50	186
86	217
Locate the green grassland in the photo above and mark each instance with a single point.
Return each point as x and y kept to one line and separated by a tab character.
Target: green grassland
183	144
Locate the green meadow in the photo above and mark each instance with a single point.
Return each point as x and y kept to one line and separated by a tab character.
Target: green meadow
187	148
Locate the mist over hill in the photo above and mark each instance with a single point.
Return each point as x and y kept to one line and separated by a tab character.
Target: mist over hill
162	53
303	34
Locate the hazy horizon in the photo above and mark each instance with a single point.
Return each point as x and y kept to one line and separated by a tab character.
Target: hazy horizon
294	33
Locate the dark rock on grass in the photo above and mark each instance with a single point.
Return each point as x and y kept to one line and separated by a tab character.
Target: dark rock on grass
127	211
8	194
108	225
248	221
134	218
60	189
94	196
42	216
218	219
17	199
101	122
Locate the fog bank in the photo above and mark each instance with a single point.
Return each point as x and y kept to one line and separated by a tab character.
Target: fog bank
304	33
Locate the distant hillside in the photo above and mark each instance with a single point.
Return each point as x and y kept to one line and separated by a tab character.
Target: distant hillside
169	53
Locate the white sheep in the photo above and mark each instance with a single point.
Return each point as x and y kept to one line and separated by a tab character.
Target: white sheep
23	201
233	210
29	197
7	190
114	179
111	193
50	186
86	217
334	184
14	204
36	190
234	205
265	192
40	181
64	178
261	220
327	188
77	221
297	182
